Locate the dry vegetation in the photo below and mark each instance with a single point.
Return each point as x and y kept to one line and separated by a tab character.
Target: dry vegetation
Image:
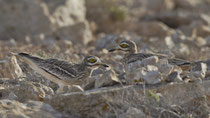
73	29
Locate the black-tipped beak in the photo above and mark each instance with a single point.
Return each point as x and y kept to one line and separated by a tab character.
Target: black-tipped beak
24	54
112	50
105	65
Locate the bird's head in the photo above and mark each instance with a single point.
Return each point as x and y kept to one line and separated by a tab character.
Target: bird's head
93	61
126	46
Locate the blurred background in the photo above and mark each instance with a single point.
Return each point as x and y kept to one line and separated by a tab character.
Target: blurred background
71	29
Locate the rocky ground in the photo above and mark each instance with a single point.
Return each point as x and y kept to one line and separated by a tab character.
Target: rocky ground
71	29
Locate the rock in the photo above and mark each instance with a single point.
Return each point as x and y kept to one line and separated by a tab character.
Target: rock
207	62
31	91
66	13
133	77
8	69
168	114
203	69
5	93
154	29
14	109
169	42
189	4
105	101
133	66
101	78
163	61
150	73
120	15
207	40
102	42
114	76
194	78
165	68
74	32
160	5
133	113
108	78
152	77
205	18
200	41
202	30
109	13
178	36
184	49
16	68
12	96
176	19
161	26
151	68
174	77
150	61
33	76
62	17
27	23
199	73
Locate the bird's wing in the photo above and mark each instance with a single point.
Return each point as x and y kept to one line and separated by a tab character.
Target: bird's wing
32	58
58	68
178	62
138	57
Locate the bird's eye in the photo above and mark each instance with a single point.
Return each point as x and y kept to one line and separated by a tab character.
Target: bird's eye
123	45
92	60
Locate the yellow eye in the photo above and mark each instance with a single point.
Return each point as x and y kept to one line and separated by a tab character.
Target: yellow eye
123	45
92	60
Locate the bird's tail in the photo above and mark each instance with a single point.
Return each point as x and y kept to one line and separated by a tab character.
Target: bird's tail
20	54
183	64
179	62
30	57
24	55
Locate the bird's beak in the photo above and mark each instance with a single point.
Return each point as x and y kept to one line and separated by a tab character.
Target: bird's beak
107	67
114	49
103	65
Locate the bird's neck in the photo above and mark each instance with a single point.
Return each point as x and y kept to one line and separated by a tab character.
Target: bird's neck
81	67
134	50
91	71
131	52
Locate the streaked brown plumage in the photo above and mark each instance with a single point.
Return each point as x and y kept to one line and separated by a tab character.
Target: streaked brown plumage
61	72
132	54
